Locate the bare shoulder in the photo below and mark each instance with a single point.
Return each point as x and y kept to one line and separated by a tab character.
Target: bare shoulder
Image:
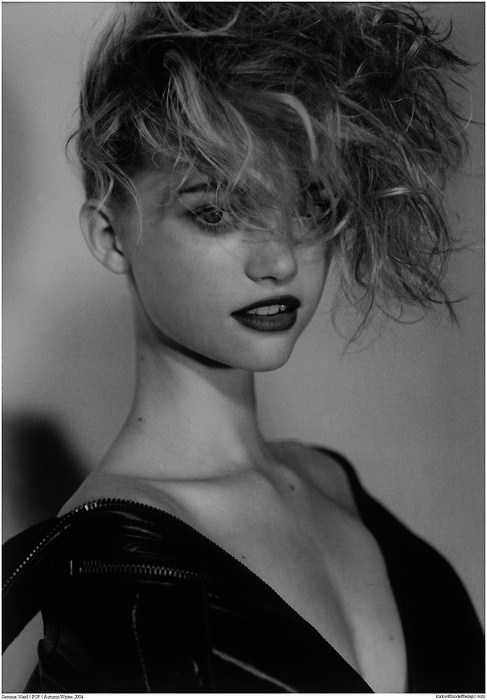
320	470
111	486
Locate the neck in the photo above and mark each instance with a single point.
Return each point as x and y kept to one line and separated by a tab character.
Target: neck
190	419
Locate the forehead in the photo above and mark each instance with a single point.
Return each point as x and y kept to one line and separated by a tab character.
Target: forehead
157	189
171	181
167	182
254	202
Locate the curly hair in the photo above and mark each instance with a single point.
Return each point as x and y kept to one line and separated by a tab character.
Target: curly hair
341	109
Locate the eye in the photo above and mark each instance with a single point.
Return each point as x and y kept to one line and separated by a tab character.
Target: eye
211	215
211	218
313	213
318	210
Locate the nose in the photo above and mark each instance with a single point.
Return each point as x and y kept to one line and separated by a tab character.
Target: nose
271	256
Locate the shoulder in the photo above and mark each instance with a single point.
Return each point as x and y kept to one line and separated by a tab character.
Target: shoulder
323	470
100	485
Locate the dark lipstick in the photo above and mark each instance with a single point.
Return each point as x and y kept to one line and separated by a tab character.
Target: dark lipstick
269	315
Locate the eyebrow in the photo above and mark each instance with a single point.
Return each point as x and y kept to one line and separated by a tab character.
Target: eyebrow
198	187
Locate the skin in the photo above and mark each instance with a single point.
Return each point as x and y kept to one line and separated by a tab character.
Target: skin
195	362
191	444
212	272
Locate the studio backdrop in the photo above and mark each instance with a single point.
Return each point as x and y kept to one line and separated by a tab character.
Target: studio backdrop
404	404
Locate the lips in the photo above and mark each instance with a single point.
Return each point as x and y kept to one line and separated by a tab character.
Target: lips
269	315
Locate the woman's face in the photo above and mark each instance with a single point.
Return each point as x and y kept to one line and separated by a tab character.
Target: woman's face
238	297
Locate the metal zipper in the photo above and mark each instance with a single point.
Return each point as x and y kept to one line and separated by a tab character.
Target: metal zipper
100	504
59	526
103	568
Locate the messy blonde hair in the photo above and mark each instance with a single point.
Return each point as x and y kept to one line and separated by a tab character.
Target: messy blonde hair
338	112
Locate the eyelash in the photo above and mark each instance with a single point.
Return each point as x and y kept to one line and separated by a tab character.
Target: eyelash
319	216
197	214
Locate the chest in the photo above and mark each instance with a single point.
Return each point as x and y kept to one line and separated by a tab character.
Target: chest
320	559
331	572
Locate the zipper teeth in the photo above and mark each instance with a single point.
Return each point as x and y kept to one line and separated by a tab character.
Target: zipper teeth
92	505
25	561
101	503
98	568
94	567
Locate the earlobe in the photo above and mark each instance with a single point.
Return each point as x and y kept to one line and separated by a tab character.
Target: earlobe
101	238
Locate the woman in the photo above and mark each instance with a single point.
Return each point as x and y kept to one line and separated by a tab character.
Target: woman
229	153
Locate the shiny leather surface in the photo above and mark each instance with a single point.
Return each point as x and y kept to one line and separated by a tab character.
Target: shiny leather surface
134	600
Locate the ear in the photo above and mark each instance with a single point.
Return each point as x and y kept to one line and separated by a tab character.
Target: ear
98	230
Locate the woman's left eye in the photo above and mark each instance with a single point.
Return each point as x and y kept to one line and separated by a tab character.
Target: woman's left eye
314	213
212	218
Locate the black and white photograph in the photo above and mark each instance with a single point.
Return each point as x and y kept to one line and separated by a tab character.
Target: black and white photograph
243	348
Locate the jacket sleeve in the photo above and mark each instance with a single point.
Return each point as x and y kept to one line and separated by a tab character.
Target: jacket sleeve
126	637
20	579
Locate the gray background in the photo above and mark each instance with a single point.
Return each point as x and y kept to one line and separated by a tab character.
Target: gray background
406	405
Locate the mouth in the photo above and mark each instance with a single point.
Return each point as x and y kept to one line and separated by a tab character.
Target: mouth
269	315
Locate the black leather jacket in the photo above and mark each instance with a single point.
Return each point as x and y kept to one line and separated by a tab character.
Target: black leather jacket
135	600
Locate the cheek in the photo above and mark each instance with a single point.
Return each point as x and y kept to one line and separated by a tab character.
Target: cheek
314	264
180	288
163	282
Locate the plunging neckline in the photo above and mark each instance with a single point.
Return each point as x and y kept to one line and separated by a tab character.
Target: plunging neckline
257	581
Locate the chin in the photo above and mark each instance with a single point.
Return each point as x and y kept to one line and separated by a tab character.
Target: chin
253	360
269	366
263	361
